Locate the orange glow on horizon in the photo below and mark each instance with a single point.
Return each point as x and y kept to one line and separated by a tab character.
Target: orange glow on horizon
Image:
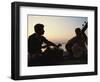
57	29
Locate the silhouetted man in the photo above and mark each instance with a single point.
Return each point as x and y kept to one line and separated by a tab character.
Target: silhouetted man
77	43
36	40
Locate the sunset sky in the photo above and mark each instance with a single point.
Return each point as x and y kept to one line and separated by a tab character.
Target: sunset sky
57	28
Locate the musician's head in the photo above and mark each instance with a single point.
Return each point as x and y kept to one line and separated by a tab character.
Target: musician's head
78	31
39	29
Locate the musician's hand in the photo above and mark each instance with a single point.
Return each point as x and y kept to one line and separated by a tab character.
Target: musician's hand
59	45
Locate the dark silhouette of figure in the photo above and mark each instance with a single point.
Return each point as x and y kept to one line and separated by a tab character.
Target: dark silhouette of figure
77	43
35	42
